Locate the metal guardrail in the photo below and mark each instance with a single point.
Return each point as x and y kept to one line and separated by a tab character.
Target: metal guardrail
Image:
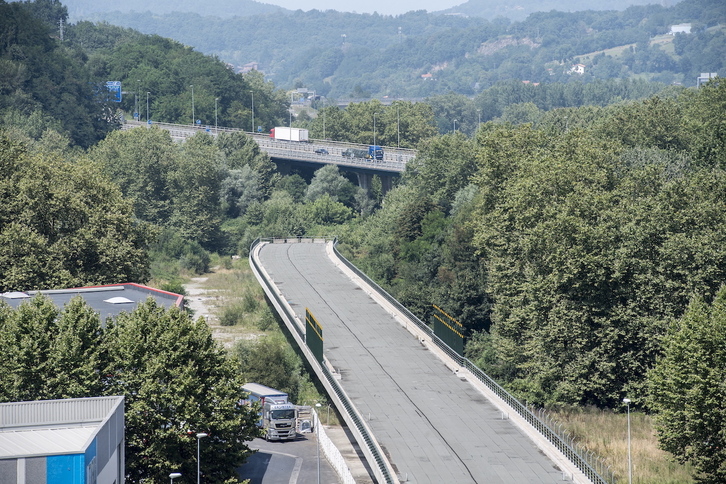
587	461
355	418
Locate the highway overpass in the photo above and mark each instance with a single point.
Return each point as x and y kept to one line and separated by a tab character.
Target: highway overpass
419	415
287	153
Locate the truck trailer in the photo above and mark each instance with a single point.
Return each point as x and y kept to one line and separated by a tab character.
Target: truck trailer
289	134
373	152
277	414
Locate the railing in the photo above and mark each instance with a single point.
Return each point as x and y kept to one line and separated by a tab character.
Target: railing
371	448
590	464
394	159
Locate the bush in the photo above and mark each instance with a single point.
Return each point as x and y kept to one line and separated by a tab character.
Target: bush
232	315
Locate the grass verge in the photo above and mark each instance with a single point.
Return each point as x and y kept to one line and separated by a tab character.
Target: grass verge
606	434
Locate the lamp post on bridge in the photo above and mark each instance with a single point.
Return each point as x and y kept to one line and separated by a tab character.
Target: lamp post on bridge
147	108
398	122
374	132
216	128
193	117
253	110
138	96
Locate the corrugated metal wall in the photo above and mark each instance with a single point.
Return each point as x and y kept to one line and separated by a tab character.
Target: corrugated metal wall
45	412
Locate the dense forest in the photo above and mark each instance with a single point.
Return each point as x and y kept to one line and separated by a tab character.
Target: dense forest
577	230
418	54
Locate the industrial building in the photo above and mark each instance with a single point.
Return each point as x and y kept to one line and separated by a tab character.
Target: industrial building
70	441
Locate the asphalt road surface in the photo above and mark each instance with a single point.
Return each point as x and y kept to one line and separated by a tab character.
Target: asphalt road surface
433	427
289	462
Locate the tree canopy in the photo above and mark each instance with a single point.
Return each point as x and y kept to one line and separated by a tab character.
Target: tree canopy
63	224
687	390
176	380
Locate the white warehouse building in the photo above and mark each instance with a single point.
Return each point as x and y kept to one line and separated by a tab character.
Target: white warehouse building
70	441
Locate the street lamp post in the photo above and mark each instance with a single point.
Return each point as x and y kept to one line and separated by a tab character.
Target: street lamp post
374	130
173	476
138	96
630	460
317	437
479	113
147	107
454	126
253	110
193	117
398	124
200	436
216	128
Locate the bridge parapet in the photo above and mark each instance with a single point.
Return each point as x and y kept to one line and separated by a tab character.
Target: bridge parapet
394	159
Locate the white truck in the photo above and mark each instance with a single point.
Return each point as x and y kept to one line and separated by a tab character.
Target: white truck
278	415
289	134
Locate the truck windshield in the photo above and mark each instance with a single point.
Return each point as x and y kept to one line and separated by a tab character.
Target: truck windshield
282	414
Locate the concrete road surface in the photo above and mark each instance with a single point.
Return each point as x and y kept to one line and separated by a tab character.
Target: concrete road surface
434	427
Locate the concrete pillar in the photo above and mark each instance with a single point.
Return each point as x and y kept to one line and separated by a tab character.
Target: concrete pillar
364	180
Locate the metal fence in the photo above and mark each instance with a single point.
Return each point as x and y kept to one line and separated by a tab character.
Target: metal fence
383	473
587	461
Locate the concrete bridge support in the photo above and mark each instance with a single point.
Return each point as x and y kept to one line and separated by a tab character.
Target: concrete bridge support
365	180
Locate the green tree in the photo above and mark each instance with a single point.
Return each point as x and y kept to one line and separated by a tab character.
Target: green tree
64	224
326	211
329	181
28	334
177	382
140	162
686	389
271	361
194	187
241	150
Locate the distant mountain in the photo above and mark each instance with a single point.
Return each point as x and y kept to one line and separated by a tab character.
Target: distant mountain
84	9
421	54
518	10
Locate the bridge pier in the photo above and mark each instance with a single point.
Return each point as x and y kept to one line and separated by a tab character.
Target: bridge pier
365	181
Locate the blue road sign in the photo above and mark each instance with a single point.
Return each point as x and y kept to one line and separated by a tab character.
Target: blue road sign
114	91
199	121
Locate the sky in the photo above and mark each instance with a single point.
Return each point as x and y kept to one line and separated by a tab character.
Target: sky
384	7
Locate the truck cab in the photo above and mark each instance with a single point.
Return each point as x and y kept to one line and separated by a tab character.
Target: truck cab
279	421
375	152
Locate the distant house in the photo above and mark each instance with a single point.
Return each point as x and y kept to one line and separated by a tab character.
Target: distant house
680	29
578	69
705	77
250	66
427	76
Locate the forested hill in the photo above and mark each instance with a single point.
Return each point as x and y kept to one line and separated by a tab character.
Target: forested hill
417	54
520	10
80	9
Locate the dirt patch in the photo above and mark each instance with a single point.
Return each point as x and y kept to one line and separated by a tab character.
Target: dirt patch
208	303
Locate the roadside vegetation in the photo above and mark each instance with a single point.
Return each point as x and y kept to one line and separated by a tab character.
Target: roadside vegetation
606	433
579	234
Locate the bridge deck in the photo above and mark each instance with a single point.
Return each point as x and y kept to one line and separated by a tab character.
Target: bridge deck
394	159
433	427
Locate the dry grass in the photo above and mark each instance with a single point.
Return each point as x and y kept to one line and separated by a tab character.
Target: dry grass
606	433
232	296
664	41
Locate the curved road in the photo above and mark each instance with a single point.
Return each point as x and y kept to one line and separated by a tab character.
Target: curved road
433	427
